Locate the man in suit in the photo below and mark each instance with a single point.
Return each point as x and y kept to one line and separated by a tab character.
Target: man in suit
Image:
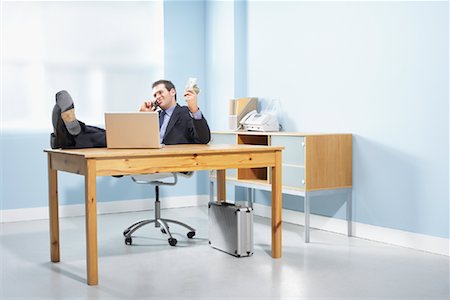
178	124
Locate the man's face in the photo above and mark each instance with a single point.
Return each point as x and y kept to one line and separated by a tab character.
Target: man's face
164	98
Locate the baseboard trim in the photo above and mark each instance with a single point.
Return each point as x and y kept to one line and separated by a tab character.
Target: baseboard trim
76	210
396	237
360	230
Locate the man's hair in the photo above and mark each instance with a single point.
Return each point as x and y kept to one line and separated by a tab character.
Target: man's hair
167	83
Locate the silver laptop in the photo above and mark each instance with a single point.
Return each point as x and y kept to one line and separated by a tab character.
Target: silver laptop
132	130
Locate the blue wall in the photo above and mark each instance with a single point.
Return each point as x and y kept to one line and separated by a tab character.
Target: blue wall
23	162
184	46
184	57
378	70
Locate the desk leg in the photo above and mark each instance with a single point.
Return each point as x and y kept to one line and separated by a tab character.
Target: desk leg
276	207
53	211
221	187
91	223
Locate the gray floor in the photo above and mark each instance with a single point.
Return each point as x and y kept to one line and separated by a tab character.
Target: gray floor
331	267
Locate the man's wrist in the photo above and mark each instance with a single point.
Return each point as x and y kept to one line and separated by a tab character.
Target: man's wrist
196	115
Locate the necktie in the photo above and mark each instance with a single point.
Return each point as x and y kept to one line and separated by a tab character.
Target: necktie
163	122
161	118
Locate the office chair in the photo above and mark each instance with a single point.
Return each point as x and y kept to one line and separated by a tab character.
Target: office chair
157	180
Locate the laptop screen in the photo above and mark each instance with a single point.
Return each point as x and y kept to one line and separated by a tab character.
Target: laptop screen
132	130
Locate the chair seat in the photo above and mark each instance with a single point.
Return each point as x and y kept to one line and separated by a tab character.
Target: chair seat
158	176
152	177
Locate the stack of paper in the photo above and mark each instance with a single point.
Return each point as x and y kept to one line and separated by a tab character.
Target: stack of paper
238	109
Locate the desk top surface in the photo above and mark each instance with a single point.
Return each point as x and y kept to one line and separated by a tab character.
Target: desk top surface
166	150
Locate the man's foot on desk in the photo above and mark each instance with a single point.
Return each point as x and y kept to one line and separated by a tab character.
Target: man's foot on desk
61	137
67	108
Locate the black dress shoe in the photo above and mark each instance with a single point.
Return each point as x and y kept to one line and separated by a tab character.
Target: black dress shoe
63	139
67	110
53	141
56	114
64	131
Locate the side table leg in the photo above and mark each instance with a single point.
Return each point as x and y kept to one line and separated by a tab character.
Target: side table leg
211	190
307	212
349	213
250	198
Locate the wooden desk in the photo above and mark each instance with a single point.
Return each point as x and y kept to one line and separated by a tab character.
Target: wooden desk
95	162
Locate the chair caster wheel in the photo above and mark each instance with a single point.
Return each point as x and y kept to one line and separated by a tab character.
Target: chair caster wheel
125	232
191	234
128	240
172	241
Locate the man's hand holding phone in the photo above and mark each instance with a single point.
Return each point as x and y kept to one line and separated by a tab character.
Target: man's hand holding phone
148	106
191	100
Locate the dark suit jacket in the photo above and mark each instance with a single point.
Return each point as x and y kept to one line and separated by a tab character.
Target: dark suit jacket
184	129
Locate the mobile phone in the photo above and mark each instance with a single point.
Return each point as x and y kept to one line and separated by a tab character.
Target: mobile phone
192	85
154	105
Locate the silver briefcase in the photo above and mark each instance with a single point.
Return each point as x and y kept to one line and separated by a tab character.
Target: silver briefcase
231	228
